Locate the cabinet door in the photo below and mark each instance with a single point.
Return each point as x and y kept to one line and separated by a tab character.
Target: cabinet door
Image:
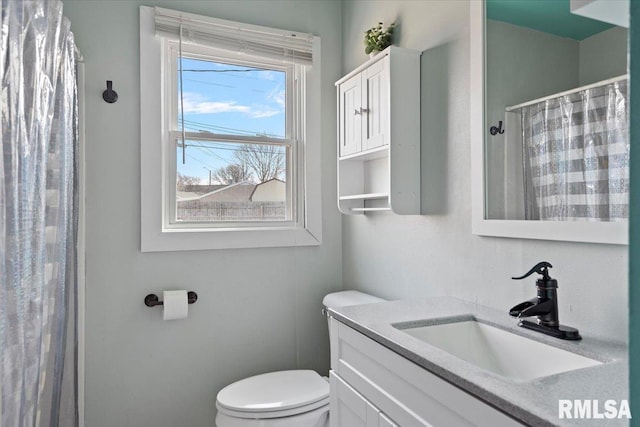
350	119
375	102
349	408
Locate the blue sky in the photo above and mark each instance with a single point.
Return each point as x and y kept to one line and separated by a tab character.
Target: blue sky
227	99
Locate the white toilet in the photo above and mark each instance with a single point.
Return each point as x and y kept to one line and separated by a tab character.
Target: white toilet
298	398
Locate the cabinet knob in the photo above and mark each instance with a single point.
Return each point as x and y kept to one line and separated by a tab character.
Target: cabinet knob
356	112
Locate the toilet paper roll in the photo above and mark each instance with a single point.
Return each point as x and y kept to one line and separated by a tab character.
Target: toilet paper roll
175	305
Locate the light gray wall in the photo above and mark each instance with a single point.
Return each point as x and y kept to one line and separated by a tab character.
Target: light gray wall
522	64
258	310
525	64
603	56
411	256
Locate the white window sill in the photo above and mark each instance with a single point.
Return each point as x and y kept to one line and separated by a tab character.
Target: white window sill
187	240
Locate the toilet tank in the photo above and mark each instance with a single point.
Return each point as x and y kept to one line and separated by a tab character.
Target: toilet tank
345	298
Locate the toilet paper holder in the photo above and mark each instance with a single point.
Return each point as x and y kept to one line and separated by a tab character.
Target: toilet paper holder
152	300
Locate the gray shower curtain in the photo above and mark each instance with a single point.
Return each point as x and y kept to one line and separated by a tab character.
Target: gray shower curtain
38	211
576	156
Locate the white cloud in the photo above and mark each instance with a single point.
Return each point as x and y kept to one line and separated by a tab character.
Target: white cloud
261	112
195	104
278	96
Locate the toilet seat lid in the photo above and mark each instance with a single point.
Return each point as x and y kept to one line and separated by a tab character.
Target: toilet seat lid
274	391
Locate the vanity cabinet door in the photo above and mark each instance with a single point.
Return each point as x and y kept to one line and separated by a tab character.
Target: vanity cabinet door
349	408
375	101
350	116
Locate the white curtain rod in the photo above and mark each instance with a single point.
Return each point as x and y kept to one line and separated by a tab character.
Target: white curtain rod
568	92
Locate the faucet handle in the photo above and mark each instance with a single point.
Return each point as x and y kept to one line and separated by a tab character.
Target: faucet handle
540	268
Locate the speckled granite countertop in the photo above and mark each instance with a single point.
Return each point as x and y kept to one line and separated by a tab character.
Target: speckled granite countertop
533	402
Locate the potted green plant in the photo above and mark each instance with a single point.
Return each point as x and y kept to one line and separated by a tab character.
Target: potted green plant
377	38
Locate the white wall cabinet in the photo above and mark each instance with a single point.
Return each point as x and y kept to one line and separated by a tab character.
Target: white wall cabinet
373	386
379	134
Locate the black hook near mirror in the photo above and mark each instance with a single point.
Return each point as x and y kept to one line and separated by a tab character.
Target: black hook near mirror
497	129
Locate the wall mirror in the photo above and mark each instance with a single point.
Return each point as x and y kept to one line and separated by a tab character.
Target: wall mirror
549	133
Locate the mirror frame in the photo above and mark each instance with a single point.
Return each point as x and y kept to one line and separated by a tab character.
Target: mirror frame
592	232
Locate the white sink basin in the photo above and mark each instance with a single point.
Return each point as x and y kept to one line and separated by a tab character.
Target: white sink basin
504	353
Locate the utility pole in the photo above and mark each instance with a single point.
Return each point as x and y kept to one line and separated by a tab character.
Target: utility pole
210	176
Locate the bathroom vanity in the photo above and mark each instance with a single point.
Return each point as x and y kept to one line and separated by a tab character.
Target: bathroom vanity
370	385
420	363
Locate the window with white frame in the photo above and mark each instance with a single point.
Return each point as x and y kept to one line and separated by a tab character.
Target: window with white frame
236	115
224	126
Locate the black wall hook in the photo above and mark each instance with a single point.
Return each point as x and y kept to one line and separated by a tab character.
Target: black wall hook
110	95
496	130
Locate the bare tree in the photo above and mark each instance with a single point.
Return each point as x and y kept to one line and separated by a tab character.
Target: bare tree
184	181
265	161
233	173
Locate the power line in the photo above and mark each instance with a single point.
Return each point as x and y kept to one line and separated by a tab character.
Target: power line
209	83
191	123
197	160
214	127
221	85
209	150
241	148
223	71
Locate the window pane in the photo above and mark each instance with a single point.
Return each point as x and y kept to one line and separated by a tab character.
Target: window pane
232	99
221	181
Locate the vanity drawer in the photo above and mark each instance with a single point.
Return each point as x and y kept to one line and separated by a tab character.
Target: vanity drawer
407	393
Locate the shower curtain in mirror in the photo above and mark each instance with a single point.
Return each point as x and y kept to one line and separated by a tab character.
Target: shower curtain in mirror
576	156
37	216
